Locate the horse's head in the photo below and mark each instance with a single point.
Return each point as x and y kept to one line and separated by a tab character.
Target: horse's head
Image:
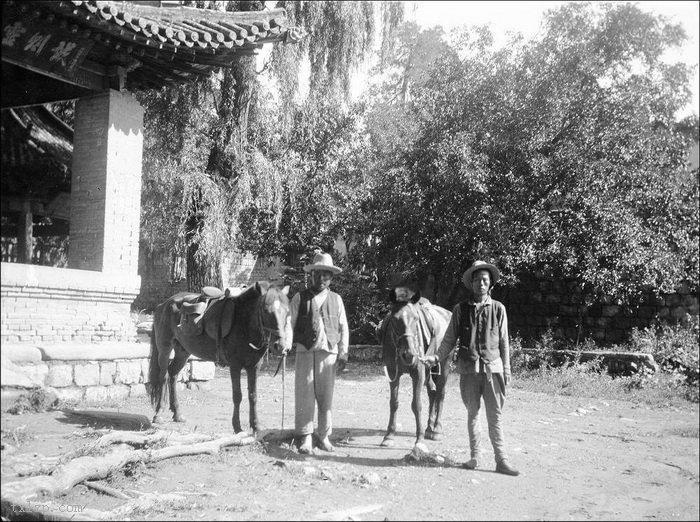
271	316
403	330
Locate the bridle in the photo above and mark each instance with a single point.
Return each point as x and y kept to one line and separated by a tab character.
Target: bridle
396	338
266	331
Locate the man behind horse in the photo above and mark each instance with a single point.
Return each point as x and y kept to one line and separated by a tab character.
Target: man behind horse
483	359
320	336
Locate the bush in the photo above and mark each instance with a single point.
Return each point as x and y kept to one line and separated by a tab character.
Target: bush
365	305
674	347
36	401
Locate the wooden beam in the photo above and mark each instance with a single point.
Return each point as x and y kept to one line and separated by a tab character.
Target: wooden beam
80	77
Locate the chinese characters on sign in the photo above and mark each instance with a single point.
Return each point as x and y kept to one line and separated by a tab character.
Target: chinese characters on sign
53	49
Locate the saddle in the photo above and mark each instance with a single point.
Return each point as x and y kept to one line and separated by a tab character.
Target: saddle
208	313
192	311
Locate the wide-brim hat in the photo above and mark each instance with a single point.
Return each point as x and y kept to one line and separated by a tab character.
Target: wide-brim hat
481	265
322	262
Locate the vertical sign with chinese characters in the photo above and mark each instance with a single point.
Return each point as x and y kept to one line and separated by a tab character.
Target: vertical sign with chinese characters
43	46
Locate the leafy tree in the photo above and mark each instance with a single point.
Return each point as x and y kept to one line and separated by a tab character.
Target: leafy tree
561	155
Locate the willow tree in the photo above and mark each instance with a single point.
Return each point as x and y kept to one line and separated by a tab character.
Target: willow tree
316	139
226	151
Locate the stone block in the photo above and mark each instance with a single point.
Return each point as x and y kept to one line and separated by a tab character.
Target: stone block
86	374
118	392
94	352
202	370
37	372
19	354
673	300
610	310
108	369
14	376
689	300
71	394
128	372
137	390
97	393
144	370
60	375
678	312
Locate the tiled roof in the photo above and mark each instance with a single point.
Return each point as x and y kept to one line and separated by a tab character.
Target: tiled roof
163	45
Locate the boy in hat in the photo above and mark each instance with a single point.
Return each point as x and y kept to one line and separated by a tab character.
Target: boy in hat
483	360
321	336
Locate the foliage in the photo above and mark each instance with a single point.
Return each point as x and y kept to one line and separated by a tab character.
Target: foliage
675	348
219	175
35	401
365	305
560	155
17	436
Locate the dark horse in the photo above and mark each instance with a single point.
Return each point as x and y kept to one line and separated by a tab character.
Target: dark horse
414	328
244	327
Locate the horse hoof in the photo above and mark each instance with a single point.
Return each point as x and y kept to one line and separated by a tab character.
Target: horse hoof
157	420
179	418
388	443
434	435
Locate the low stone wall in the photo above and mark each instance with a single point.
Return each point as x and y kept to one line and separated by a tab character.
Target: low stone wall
97	372
41	303
616	363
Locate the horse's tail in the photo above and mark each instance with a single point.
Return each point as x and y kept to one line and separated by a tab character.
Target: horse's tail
157	385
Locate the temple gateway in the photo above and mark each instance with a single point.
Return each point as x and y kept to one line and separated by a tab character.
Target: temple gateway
98	53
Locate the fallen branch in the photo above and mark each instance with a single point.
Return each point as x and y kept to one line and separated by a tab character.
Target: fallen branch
66	476
141	440
112	492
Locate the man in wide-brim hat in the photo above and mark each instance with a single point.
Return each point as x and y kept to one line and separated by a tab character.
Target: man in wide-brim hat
483	360
320	335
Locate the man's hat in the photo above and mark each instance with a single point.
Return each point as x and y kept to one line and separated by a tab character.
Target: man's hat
322	262
480	265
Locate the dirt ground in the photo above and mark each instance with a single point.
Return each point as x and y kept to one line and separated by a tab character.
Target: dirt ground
580	459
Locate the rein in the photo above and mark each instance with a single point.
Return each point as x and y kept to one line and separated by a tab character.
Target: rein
262	328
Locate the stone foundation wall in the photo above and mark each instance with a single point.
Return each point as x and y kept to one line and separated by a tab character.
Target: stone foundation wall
110	371
41	303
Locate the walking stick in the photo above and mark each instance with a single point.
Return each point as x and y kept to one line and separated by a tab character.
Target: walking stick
284	367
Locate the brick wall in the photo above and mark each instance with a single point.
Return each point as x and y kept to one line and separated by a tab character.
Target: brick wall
238	269
536	305
160	279
42	303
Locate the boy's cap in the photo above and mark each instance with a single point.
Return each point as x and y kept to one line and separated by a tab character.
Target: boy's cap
481	265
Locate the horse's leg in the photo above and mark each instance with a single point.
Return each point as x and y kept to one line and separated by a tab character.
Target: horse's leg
158	376
393	406
174	369
252	374
235	370
418	377
437	402
432	409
